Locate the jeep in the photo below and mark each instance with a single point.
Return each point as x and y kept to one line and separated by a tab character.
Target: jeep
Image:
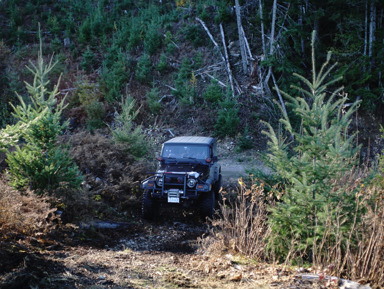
188	174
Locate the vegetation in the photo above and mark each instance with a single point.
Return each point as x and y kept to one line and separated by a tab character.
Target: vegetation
40	164
322	151
177	64
126	133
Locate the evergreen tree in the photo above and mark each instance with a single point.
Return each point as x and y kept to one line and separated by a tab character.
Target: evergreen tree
321	151
131	137
39	163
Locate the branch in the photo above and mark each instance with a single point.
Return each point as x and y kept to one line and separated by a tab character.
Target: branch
211	37
247	45
227	59
280	97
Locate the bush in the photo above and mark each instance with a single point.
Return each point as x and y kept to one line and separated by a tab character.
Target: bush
89	61
162	65
114	75
245	141
195	34
23	214
214	92
143	69
152	40
131	137
153	100
95	115
228	121
85	93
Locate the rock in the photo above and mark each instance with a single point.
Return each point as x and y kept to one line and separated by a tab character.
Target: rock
347	284
236	277
344	284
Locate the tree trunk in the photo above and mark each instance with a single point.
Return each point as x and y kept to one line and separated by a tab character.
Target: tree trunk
301	15
262	28
372	29
366	28
241	38
272	38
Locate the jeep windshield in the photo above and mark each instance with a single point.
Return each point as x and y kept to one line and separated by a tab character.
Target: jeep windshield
185	151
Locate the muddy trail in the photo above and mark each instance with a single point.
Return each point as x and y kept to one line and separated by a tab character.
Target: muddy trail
175	251
169	253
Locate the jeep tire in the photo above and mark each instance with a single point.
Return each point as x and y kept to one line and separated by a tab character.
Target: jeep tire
207	205
148	206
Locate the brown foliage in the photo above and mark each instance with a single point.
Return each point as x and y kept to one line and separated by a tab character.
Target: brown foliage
24	213
111	176
243	221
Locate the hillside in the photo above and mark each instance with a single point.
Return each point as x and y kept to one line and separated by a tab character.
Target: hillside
89	91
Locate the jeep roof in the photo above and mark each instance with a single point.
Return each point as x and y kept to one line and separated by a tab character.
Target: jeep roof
191	140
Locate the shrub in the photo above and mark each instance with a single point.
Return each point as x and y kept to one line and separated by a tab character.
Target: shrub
95	115
89	61
23	214
152	40
86	93
228	121
135	33
214	92
195	34
245	141
162	65
143	69
114	75
131	137
153	100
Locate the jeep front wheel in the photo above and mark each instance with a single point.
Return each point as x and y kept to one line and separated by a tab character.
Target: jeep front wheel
148	208
207	205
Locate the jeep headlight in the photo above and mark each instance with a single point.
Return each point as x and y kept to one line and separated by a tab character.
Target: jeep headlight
191	183
159	181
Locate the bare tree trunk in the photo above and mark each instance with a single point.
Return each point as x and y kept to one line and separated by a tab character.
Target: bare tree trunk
366	28
372	29
241	38
272	38
302	12
262	28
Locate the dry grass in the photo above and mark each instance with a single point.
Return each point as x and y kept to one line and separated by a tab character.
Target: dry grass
242	225
359	254
24	213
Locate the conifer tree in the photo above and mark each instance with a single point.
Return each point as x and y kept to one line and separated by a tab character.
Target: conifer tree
319	152
39	162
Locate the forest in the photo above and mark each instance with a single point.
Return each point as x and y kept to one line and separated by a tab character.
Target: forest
89	90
